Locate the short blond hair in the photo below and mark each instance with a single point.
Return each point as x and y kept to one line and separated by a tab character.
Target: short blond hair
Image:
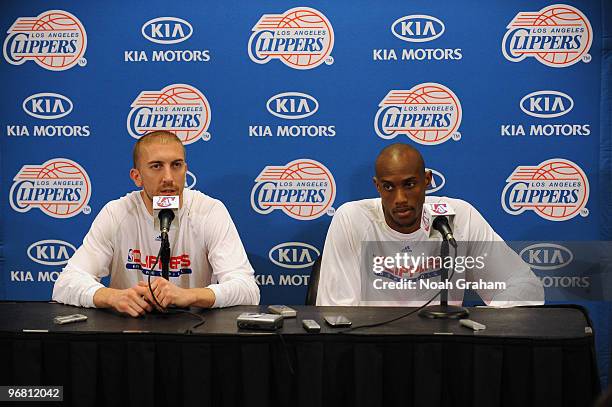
158	136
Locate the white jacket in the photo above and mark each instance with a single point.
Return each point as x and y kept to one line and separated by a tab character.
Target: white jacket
124	241
347	277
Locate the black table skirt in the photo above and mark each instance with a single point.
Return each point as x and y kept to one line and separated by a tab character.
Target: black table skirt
302	370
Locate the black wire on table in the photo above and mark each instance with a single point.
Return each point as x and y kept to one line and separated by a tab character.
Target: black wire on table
354	328
189	330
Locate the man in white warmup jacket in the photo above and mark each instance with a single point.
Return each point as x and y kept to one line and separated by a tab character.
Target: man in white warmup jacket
370	229
208	264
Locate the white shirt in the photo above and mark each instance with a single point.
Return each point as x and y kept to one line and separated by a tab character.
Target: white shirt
124	241
347	276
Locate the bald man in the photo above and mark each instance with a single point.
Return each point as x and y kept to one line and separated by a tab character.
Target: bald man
364	233
208	267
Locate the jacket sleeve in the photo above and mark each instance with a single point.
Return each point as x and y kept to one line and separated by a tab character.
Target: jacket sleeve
339	280
80	279
503	265
231	268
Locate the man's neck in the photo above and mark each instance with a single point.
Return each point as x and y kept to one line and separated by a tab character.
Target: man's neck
406	230
148	203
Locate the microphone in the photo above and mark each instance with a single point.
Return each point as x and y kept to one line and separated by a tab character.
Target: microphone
441	225
166	216
166	209
437	218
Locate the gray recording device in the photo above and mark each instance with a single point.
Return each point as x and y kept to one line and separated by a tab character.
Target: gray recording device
473	325
310	325
285	311
337	321
67	319
251	320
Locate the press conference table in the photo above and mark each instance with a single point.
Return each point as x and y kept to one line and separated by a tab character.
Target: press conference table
540	356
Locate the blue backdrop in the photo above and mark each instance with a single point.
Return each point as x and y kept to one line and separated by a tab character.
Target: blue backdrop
514	91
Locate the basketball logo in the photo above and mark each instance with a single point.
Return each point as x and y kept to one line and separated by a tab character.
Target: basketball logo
439	209
303	189
55	40
428	114
301	38
60	188
558	36
556	189
181	109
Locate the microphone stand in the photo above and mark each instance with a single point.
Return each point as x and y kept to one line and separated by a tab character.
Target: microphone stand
165	256
444	310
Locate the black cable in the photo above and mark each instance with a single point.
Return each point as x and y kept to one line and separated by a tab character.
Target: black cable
161	309
354	328
174	311
286	352
189	330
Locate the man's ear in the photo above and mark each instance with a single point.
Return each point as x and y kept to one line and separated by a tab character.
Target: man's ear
135	176
427	178
375	180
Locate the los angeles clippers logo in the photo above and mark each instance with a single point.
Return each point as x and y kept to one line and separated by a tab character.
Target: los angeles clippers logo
301	38
558	35
439	209
140	262
162	202
303	189
425	223
55	40
60	188
556	190
429	113
181	109
165	202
